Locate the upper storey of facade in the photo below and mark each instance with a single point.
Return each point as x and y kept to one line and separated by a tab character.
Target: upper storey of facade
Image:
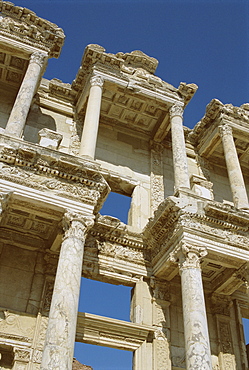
116	127
22	33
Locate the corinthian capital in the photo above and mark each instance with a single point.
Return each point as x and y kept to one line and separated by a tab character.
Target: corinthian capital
176	110
76	225
38	58
97	81
191	256
225	130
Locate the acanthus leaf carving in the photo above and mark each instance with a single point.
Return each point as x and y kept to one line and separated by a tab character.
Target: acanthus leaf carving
190	256
76	225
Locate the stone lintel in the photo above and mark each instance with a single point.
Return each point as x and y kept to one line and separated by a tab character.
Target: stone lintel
99	330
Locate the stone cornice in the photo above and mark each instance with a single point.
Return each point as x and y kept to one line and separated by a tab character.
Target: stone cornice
227	215
51	171
187	91
135	70
112	229
164	218
22	24
119	334
61	90
215	111
174	216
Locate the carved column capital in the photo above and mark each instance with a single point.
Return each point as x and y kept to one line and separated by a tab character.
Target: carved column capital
38	58
176	110
225	130
97	81
190	256
76	225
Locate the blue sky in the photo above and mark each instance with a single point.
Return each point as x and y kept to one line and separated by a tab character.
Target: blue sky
205	42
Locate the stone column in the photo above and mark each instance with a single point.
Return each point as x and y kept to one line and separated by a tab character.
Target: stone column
60	335
197	345
179	148
236	180
91	122
18	115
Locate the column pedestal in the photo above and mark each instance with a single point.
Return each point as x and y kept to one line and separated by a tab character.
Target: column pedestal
18	115
237	183
179	148
197	345
91	122
60	335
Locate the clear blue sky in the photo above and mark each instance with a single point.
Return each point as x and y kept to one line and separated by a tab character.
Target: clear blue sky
205	42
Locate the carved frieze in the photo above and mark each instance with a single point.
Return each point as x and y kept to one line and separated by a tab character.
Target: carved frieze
118	251
215	110
49	171
157	185
51	260
22	355
24	25
16	326
47	296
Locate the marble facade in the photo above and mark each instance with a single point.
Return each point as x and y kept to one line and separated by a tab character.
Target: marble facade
185	250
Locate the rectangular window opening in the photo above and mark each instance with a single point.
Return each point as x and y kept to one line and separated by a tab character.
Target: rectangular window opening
101	358
117	205
105	299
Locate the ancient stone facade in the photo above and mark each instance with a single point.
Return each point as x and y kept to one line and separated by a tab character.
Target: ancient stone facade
118	127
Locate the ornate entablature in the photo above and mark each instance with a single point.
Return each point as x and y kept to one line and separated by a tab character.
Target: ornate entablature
117	127
222	229
24	26
131	69
53	172
61	90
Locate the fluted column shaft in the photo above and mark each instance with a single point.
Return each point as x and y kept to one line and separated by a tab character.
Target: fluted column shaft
18	115
61	330
91	122
235	176
197	346
180	164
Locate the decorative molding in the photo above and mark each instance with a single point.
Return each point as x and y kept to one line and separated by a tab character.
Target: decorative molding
118	334
45	169
156	178
23	25
47	295
187	91
22	354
